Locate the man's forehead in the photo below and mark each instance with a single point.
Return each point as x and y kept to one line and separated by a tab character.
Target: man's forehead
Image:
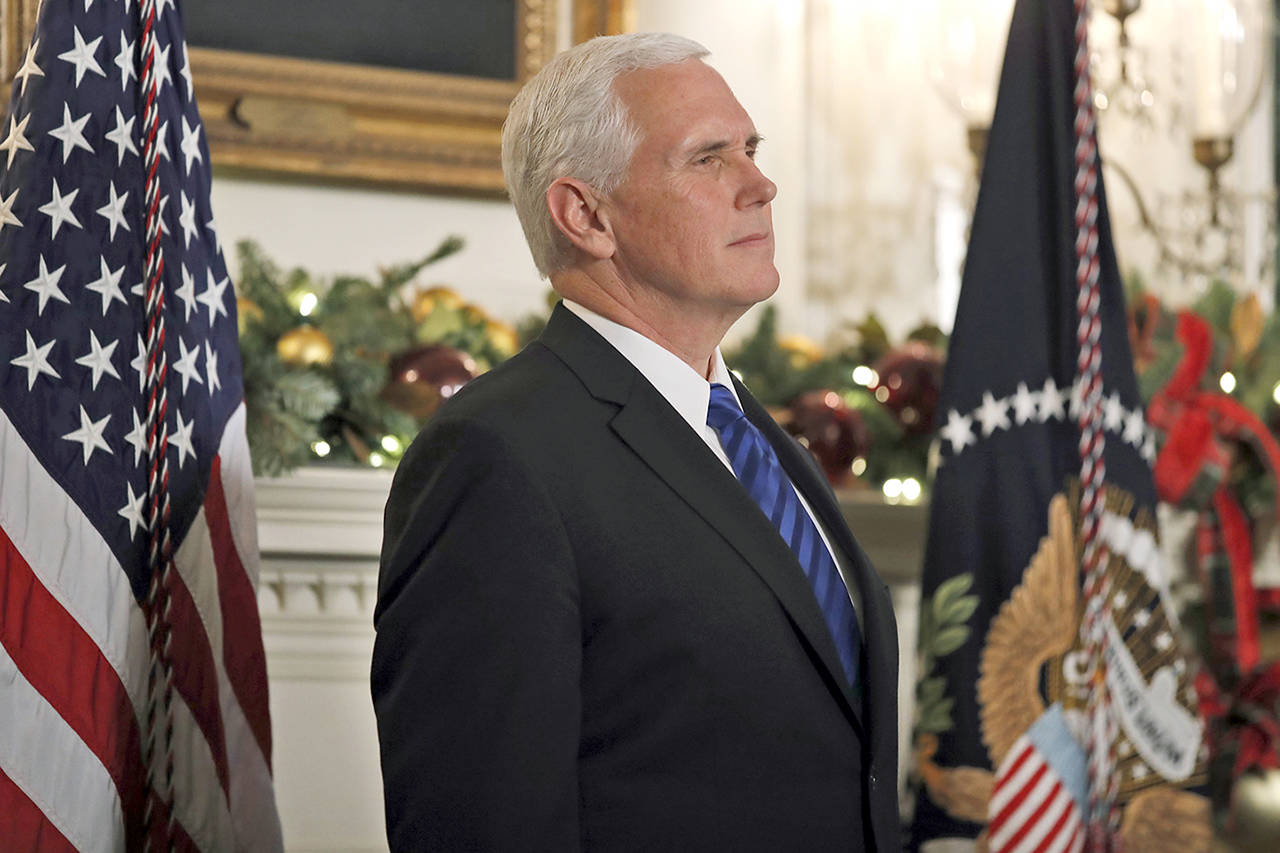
689	100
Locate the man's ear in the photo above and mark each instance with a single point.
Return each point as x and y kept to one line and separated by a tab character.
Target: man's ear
575	209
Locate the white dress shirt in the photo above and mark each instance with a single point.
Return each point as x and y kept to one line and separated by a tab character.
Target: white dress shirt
690	395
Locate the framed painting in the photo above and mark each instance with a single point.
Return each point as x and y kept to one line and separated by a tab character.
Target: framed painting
401	93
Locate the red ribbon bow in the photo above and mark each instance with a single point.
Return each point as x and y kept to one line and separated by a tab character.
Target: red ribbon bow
1191	470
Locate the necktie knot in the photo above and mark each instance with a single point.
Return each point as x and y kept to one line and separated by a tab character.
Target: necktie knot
723	408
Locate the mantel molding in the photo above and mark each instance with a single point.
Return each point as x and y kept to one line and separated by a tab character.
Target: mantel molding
320	533
322	511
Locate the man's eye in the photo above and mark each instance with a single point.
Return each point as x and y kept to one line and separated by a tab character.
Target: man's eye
706	160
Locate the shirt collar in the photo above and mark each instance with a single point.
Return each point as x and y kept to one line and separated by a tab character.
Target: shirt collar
679	384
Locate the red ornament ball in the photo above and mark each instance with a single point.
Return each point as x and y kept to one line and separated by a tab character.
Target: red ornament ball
834	433
908	384
424	377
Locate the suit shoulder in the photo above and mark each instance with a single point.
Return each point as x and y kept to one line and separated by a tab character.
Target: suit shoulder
521	388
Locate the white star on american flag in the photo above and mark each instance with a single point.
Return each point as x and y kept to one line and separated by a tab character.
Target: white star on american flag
45	286
58	208
187	219
186	365
186	72
163	73
108	285
211	367
132	512
71	133
16	140
139	364
98	358
180	439
212	297
124	61
81	56
6	211
162	140
89	434
212	226
190	144
187	292
137	438
122	136
36	361
113	211
28	68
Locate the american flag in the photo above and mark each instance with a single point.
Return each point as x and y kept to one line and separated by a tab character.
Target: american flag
74	565
1038	802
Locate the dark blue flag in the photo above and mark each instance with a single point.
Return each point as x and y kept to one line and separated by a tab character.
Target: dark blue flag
1002	736
79	713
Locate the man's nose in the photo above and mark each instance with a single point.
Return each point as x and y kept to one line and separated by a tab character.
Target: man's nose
756	189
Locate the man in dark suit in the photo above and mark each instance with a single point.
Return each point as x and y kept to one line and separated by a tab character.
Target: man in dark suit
613	614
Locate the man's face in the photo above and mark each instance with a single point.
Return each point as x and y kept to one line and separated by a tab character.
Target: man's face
691	219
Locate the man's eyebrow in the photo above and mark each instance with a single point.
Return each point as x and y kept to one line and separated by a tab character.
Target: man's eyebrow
752	142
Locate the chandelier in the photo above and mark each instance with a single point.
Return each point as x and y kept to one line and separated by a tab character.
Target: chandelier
1215	82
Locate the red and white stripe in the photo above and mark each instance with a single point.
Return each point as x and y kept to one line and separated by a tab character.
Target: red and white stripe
1030	810
73	672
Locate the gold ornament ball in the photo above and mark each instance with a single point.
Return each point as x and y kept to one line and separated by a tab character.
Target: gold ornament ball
426	301
305	345
801	351
503	337
475	315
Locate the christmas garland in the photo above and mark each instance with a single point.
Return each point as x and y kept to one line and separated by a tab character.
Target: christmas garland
865	408
347	370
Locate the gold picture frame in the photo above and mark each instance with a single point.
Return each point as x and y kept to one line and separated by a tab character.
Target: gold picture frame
344	123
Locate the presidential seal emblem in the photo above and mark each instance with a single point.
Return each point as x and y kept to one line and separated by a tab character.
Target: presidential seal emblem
1034	687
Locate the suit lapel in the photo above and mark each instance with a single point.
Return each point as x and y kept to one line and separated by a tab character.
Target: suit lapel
647	424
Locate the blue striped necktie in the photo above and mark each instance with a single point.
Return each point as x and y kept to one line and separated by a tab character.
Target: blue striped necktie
759	471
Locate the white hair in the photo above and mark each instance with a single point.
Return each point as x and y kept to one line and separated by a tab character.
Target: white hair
567	121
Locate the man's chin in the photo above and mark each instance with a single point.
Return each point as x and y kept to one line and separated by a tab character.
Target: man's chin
759	289
766	285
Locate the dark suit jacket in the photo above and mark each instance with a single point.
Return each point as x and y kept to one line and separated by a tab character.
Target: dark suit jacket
590	638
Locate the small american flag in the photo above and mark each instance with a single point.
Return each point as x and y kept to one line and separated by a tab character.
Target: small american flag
74	561
1038	799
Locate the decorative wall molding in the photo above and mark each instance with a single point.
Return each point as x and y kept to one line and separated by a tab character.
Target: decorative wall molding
319	533
319	510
